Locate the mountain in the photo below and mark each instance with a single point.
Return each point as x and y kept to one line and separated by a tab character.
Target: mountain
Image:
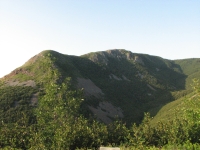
116	83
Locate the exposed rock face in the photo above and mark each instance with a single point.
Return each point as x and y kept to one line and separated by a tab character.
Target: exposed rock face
140	75
18	71
151	87
120	76
125	78
104	56
119	54
17	83
138	60
112	76
101	57
105	111
157	69
89	87
34	99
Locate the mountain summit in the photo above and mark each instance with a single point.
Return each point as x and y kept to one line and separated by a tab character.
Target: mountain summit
116	83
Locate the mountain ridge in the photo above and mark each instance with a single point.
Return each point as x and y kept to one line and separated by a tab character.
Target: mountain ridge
117	83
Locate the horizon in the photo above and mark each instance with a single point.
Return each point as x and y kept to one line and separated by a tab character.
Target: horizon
168	29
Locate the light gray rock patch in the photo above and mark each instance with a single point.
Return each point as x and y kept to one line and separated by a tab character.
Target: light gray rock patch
157	69
151	87
125	78
17	83
138	60
105	111
34	99
89	87
115	77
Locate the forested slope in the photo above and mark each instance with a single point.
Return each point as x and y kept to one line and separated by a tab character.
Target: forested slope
68	102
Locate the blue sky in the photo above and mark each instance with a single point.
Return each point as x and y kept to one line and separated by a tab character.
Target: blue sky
165	28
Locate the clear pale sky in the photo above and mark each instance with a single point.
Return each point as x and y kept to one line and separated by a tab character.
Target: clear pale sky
165	28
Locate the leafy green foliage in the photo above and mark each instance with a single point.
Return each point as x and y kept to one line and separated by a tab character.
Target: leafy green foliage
56	122
143	87
15	100
117	133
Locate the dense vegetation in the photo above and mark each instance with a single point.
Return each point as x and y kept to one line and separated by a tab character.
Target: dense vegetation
145	83
13	104
56	122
